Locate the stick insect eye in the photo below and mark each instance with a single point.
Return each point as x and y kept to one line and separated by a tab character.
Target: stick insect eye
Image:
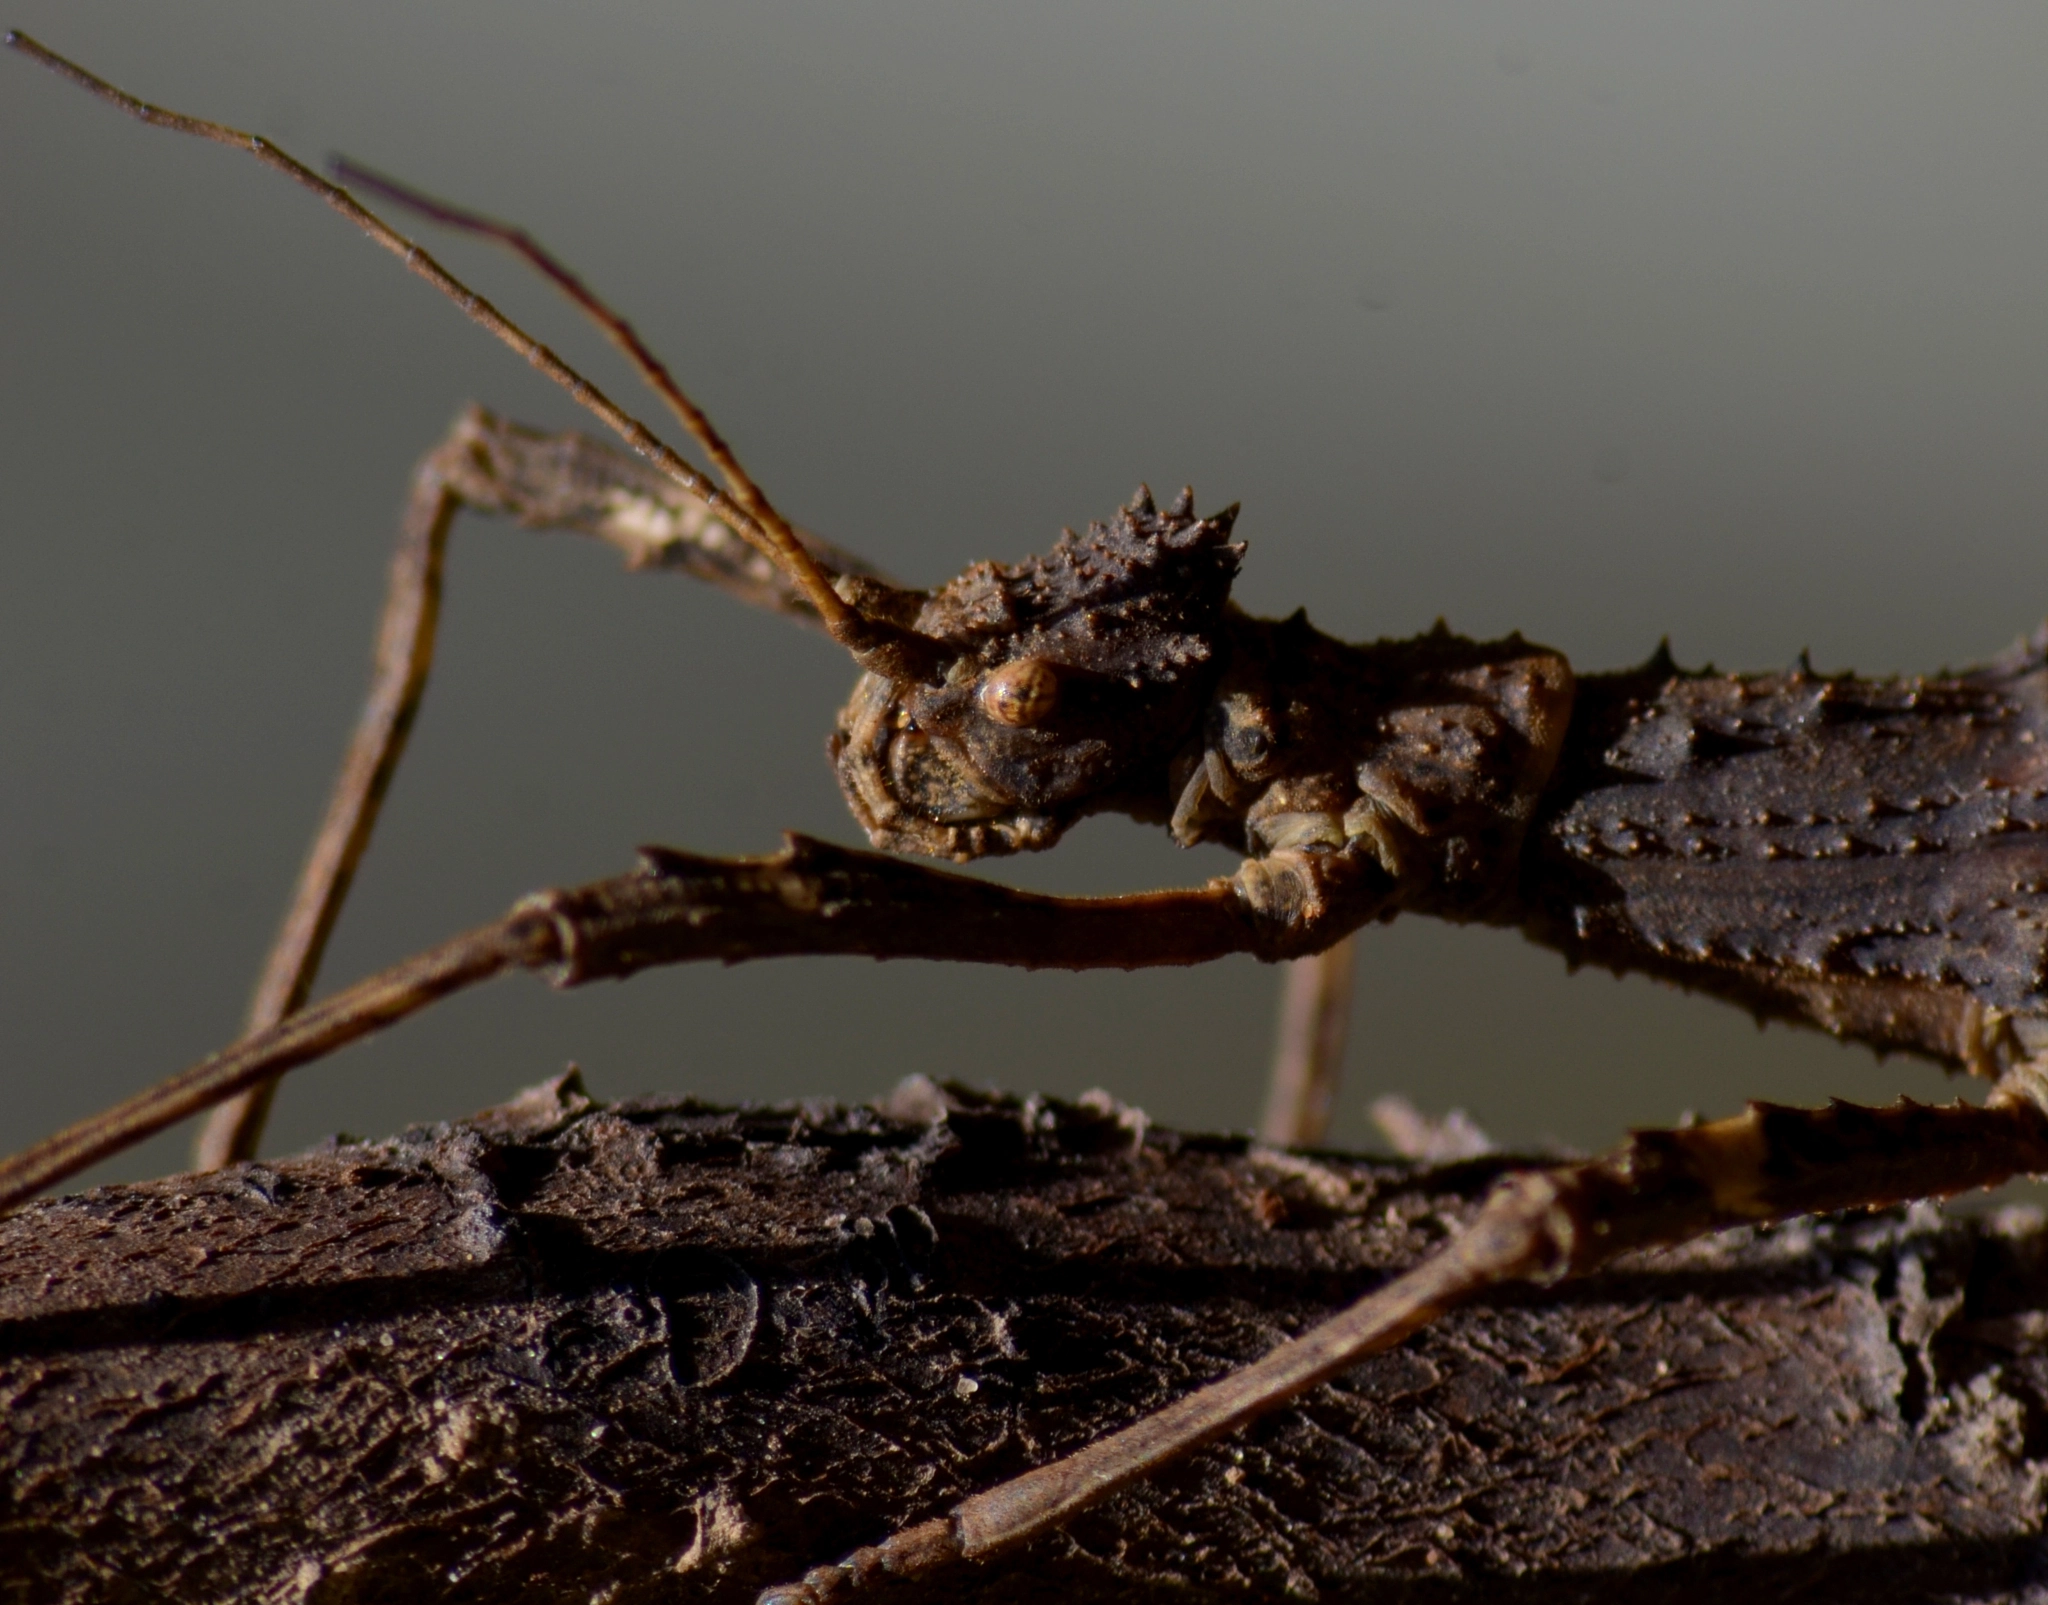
1023	693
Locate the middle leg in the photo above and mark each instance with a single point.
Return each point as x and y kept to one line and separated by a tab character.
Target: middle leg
1660	1189
1308	1057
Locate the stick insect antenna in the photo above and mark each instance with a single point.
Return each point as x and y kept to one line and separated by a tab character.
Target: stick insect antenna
875	643
742	485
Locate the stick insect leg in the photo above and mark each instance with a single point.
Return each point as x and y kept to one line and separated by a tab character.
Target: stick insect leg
1308	1055
1315	1016
678	908
544	481
404	654
1659	1189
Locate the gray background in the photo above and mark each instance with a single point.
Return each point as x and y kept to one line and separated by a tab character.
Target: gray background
1598	321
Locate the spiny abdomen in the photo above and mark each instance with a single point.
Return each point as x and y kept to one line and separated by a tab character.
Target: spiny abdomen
1869	855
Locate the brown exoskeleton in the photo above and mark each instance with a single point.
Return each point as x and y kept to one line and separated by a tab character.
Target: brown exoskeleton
1858	855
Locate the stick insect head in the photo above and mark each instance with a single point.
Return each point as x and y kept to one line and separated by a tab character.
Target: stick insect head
1070	677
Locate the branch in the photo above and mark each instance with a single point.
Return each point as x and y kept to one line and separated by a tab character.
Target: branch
661	1351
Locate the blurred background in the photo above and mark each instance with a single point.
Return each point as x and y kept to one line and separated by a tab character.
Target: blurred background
1604	322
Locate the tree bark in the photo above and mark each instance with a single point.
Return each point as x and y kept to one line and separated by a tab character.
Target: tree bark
662	1351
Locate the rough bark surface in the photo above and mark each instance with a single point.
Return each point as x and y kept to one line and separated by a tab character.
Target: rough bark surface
661	1351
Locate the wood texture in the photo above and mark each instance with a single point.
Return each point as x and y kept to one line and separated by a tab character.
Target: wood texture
661	1351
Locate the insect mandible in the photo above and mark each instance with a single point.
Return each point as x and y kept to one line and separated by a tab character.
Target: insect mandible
1463	740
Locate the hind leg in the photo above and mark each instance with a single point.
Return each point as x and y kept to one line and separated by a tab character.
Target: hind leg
1659	1189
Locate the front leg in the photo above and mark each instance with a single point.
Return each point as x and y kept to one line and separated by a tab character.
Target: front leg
485	464
811	898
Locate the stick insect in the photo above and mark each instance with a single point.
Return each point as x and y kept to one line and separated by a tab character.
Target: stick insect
1857	855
